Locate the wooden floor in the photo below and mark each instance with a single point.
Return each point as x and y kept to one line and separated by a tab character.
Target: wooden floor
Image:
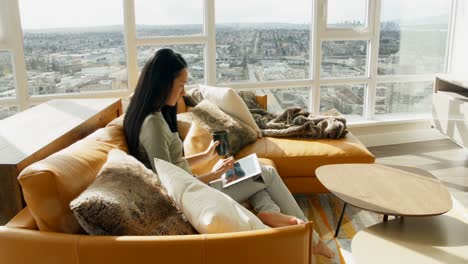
443	158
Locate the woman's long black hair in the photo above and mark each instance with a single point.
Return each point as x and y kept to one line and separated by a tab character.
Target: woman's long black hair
151	93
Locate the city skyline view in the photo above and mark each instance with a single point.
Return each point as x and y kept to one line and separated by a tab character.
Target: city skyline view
83	59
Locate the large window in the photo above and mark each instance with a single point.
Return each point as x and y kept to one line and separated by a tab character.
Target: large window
255	43
7	79
395	98
168	18
193	54
369	59
347	14
73	46
347	99
413	36
344	58
411	43
7	111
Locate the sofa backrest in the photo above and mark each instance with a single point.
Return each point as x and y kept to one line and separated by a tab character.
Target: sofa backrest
182	107
50	184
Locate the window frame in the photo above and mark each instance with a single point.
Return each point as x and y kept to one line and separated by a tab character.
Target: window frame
319	32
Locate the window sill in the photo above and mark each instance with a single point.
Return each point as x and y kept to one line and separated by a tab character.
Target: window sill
390	120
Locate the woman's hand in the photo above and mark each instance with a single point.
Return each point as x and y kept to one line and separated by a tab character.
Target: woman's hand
223	166
219	168
210	152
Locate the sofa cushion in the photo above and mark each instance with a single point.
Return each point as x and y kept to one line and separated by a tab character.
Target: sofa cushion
197	140
299	157
207	209
214	119
50	184
230	102
184	121
126	198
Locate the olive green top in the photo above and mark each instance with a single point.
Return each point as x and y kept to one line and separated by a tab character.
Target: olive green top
158	141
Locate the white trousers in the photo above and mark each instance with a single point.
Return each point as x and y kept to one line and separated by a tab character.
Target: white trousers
269	195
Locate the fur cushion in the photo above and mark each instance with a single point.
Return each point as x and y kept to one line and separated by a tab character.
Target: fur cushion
250	99
128	199
213	118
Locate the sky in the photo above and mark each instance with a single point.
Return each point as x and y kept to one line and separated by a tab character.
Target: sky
36	14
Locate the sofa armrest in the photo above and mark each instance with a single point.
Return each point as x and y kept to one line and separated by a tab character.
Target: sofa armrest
21	246
23	219
277	245
290	244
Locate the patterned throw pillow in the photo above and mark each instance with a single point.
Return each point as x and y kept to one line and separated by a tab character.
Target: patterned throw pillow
213	118
128	199
231	103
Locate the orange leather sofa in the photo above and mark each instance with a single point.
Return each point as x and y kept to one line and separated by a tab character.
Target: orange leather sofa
22	243
45	232
30	237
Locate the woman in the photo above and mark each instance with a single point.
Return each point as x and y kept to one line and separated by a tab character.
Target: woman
150	126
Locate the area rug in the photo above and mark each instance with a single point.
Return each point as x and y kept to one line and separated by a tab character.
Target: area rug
325	209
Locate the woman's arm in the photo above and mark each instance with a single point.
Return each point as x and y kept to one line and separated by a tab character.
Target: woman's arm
218	170
209	153
155	140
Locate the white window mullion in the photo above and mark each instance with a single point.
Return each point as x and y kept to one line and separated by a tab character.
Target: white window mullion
13	42
268	85
130	43
320	20
405	78
354	80
8	101
450	37
209	25
87	95
15	34
312	36
374	25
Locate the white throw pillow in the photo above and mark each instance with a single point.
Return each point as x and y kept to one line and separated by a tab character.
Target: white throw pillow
230	102
207	209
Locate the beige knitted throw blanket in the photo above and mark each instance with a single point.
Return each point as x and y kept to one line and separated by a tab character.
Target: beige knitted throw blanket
296	122
292	122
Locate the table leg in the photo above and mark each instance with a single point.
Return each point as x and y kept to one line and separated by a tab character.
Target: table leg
341	218
385	218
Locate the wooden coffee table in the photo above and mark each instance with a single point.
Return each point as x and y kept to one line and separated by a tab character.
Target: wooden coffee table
388	190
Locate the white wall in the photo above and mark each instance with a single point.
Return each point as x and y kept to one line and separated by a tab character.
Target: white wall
460	38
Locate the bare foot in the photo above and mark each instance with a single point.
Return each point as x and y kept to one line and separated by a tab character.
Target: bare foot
322	249
276	219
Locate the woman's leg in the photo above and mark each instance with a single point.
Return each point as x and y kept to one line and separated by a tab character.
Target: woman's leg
278	193
271	196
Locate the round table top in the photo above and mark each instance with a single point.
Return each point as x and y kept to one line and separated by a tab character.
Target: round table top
433	239
389	190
